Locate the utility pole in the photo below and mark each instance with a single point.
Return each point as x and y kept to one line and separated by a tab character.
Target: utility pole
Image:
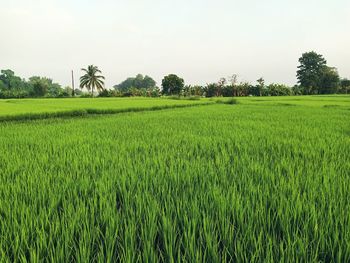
73	92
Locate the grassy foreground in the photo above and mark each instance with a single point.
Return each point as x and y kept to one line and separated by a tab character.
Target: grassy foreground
256	181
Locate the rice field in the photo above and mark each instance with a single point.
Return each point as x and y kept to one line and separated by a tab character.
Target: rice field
263	180
15	109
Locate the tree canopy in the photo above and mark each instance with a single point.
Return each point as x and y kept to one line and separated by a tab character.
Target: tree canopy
12	86
172	85
91	80
314	76
138	82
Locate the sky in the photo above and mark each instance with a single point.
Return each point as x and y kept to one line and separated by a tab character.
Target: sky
199	40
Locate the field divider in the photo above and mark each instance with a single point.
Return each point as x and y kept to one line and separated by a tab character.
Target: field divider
91	111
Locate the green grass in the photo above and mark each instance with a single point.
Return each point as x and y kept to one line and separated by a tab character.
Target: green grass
14	109
312	101
249	182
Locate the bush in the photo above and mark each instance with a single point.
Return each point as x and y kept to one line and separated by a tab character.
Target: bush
194	98
228	101
86	95
174	97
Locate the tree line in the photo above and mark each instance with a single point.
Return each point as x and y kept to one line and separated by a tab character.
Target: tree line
12	86
313	74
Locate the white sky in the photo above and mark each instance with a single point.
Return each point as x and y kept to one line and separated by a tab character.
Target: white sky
200	40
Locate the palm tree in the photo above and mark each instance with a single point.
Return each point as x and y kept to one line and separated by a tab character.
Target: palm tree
91	80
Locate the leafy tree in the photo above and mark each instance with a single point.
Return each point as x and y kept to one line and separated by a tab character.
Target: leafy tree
211	89
254	90
243	89
198	90
148	83
187	90
138	82
125	85
172	85
329	81
278	90
2	85
65	92
40	86
11	81
227	91
297	90
310	71
91	79
233	84
221	84
345	85
261	85
153	92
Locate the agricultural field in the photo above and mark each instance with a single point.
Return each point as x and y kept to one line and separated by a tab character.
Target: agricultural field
258	180
15	109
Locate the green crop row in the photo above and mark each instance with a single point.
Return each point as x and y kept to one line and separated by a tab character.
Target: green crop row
218	183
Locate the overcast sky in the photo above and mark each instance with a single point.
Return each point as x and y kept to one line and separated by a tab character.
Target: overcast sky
200	40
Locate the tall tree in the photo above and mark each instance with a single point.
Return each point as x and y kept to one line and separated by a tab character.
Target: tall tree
11	81
330	81
233	81
310	71
261	85
91	79
148	82
138	82
345	85
221	84
172	84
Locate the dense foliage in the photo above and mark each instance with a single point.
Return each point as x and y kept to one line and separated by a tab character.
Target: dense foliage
12	86
91	79
314	77
172	85
139	82
261	181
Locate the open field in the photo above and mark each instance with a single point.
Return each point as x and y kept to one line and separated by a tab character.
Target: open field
263	180
315	101
29	107
12	109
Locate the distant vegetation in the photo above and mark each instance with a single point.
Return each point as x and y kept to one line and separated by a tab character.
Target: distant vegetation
140	85
12	86
313	73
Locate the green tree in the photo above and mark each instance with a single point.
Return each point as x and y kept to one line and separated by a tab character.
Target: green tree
211	89
172	84
233	84
39	85
221	85
329	81
148	83
42	86
278	90
243	89
138	82
297	90
345	85
11	81
2	85
261	85
91	79
310	71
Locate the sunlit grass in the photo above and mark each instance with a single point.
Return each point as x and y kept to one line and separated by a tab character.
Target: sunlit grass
35	106
241	183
